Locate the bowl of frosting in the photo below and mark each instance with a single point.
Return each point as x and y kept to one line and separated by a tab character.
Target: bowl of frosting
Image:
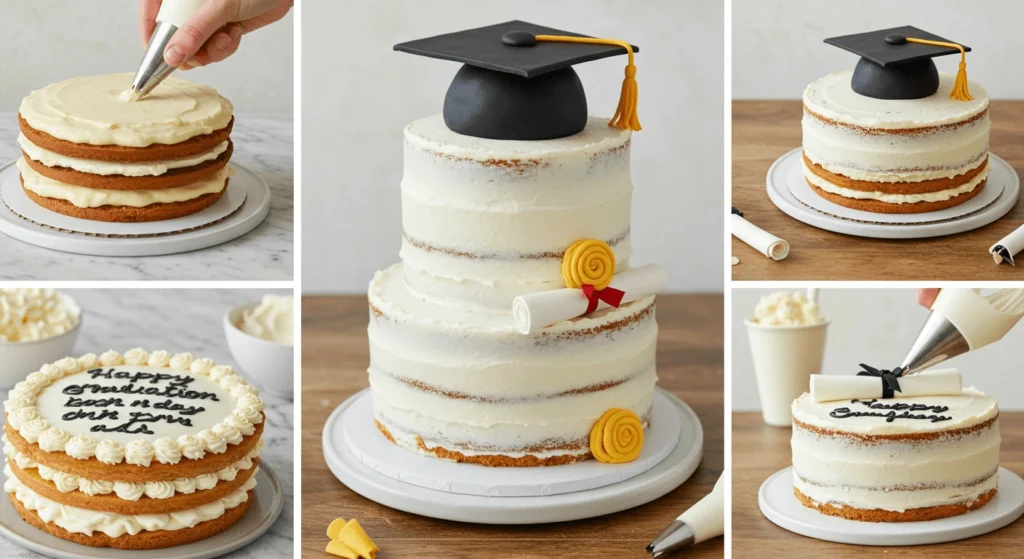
260	337
37	326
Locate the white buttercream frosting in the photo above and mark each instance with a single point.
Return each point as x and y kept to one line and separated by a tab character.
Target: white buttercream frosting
34	314
84	197
90	110
936	196
108	168
271	320
787	308
133	413
84	521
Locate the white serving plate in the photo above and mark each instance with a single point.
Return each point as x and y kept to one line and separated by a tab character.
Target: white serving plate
780	505
470	492
244	206
788	190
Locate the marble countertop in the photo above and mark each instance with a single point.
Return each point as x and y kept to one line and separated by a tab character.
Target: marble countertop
264	143
177	321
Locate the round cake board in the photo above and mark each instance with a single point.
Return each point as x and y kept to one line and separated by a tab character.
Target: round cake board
453	488
788	190
244	205
266	507
780	505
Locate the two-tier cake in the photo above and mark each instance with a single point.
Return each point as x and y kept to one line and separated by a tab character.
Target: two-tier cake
134	451
88	151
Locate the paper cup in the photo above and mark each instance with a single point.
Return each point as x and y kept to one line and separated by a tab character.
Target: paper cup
785	357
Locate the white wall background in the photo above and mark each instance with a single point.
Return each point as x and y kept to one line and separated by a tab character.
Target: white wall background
45	41
358	95
778	48
877	327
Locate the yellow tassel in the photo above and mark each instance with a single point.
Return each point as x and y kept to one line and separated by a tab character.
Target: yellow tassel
960	91
626	113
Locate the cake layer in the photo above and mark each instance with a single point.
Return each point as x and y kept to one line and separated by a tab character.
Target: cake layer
94	110
85	197
119	168
84	521
174	178
921	514
878	206
489	210
889	141
471	383
974	182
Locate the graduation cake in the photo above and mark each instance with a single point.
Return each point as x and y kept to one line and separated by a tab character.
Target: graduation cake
895	135
134	451
90	152
883	447
515	192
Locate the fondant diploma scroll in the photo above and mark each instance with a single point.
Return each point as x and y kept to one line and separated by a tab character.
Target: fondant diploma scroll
827	388
535	311
1008	246
762	241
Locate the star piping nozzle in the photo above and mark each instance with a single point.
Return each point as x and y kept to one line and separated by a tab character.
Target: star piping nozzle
153	69
938	340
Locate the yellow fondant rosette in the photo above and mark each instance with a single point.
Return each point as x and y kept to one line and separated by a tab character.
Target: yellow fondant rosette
617	437
588	262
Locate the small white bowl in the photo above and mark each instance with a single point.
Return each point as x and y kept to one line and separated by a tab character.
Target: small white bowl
20	359
270	366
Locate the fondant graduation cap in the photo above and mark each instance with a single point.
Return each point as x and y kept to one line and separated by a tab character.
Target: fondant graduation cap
897	63
517	80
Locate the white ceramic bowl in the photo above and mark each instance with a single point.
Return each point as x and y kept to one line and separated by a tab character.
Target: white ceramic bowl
20	359
270	366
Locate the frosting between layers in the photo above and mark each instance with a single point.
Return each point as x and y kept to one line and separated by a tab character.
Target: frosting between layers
90	110
84	521
108	168
84	197
895	501
937	196
37	416
130	491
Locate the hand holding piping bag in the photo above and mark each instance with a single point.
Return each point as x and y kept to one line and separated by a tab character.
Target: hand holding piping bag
702	521
215	30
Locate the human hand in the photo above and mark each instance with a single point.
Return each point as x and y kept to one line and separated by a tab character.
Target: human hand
925	297
215	31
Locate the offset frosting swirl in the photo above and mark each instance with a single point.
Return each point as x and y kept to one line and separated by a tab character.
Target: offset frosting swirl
89	110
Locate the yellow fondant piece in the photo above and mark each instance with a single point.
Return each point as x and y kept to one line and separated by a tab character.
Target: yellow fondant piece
335	528
353	535
617	437
588	262
338	548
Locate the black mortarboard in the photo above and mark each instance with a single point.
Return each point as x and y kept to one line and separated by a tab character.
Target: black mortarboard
517	81
897	63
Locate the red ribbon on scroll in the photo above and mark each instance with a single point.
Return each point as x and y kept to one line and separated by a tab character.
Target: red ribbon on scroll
609	295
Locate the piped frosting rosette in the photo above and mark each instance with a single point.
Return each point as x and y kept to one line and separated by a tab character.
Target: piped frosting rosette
591	283
877	383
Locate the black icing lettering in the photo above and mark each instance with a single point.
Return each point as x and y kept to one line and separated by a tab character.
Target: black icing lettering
90	415
893	411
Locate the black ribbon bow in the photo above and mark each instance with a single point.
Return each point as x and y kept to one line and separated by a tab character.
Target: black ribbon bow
890	379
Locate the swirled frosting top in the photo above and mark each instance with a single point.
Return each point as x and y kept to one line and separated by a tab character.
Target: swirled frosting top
832	97
92	110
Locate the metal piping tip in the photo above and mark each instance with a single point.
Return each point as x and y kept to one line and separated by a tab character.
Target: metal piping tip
153	69
677	536
937	341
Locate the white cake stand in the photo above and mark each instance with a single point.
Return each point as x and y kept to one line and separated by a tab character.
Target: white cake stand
788	190
243	206
780	505
266	507
359	457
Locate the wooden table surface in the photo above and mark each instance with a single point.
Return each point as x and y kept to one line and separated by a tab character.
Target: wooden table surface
335	357
759	450
762	131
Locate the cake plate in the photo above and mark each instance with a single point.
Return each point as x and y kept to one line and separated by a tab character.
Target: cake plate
788	190
361	458
244	205
780	505
266	507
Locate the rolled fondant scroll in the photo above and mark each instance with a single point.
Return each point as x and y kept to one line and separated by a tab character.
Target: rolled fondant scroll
827	388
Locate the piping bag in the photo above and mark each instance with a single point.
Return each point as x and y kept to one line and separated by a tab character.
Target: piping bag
963	320
153	69
702	521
